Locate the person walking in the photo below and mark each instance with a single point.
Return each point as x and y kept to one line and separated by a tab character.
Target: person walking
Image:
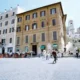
54	55
77	53
48	54
44	53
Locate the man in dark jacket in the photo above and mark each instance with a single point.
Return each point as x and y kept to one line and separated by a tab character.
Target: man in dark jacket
54	55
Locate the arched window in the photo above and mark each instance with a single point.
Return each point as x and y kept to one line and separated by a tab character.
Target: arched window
34	26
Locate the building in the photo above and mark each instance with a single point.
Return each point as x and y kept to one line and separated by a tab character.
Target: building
41	28
8	22
70	29
78	30
76	40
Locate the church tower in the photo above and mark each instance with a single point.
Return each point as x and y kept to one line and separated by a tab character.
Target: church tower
71	28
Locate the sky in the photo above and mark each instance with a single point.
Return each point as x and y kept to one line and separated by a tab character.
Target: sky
70	7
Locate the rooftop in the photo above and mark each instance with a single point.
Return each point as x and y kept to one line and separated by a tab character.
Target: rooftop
44	7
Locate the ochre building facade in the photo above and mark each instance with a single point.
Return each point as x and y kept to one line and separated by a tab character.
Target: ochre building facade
41	28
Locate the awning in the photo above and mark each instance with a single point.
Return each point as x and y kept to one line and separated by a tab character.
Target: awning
55	46
43	47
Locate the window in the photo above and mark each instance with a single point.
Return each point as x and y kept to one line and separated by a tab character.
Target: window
13	29
0	17
34	38
18	29
26	39
26	48
4	31
18	40
34	15
28	17
10	49
53	11
0	32
54	35
53	22
34	26
79	40
6	23
42	13
43	36
6	16
0	24
27	27
42	24
3	41
19	19
10	30
13	13
13	21
17	49
10	40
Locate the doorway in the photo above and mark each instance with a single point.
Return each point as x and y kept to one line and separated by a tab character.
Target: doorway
34	48
3	50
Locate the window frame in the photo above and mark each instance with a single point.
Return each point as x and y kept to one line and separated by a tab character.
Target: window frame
6	23
27	27
10	40
18	41
53	22
1	24
34	37
43	37
55	37
41	13
53	11
13	21
19	19
34	26
27	17
19	29
26	39
34	15
42	24
6	16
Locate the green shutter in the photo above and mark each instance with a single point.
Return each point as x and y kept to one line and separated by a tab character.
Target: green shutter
55	46
43	47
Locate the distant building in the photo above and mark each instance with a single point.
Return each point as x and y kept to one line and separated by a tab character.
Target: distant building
8	21
70	29
78	30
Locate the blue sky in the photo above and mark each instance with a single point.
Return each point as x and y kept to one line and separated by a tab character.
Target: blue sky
70	7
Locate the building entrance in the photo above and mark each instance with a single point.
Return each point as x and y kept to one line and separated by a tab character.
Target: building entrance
34	49
3	50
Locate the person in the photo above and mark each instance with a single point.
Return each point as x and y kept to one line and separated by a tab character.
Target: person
48	54
54	55
69	53
59	54
77	53
44	53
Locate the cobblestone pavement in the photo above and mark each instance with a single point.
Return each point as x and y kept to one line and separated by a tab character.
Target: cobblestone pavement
39	69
